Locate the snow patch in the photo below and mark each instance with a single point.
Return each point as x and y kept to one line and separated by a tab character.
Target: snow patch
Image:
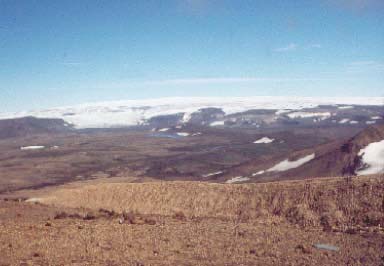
376	117
345	107
324	115
32	148
213	174
353	122
34	200
217	123
237	179
370	122
163	129
186	117
286	164
283	111
344	120
264	140
372	156
183	134
258	173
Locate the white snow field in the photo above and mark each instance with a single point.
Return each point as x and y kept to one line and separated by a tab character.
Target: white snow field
136	112
264	140
286	164
372	158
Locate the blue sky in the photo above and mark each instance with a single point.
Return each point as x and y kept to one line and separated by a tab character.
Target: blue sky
56	53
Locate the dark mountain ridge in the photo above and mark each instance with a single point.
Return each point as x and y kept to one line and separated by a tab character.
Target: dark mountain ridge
19	127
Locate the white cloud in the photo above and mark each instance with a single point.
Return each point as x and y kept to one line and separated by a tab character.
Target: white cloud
365	65
71	63
293	47
315	45
362	63
289	47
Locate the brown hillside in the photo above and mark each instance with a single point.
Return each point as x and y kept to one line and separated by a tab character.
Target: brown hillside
314	222
335	201
342	160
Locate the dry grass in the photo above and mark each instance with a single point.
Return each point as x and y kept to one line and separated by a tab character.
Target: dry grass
185	223
326	202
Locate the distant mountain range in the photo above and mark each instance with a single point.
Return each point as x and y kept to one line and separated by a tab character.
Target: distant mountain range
213	111
244	140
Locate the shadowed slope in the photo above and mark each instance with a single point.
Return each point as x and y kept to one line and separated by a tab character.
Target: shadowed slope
25	126
341	160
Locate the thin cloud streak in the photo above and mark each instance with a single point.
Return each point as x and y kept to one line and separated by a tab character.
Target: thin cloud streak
293	47
363	66
316	46
72	64
363	63
218	80
288	48
202	81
